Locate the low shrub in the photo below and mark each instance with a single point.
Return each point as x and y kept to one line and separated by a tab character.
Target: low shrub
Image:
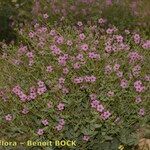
86	83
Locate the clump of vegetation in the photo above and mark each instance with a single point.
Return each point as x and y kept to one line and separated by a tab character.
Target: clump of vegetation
77	70
66	84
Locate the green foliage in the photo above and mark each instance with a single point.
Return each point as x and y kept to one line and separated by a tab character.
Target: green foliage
6	31
120	16
12	13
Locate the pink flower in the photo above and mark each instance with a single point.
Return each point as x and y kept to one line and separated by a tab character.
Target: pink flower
84	47
43	29
16	89
49	104
93	55
55	50
76	65
80	57
61	106
41	83
109	31
82	36
140	89
62	122
124	83
141	112
146	45
17	62
87	78
41	45
23	49
78	80
22	97
105	115
109	2
60	86
119	38
108	69
110	94
101	21
65	70
116	67
86	138
32	89
30	55
25	111
127	31
52	32
45	122
45	16
108	49
41	90
32	95
60	40
31	34
138	99
138	86
8	117
147	77
65	90
61	80
93	96
136	70
134	56
119	74
96	42
137	83
100	108
95	103
69	43
92	78
40	132
79	23
59	127
49	69
31	62
136	38
62	60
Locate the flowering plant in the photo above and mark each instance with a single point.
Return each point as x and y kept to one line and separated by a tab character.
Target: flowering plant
86	83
